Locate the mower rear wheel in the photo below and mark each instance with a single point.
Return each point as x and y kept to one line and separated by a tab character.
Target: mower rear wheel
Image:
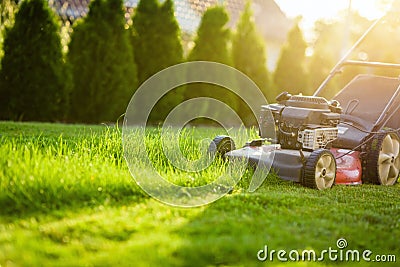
221	145
320	170
382	162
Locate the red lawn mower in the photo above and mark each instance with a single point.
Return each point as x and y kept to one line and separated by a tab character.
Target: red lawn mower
351	139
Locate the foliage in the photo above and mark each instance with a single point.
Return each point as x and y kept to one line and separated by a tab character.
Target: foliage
145	38
290	74
380	45
249	54
213	37
249	57
172	51
329	47
33	83
102	64
156	38
157	45
7	10
334	39
67	198
212	44
325	53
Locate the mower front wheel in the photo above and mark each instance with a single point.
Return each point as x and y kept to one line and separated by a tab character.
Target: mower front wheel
221	145
320	170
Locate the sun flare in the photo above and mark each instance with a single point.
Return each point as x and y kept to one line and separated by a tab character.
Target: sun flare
312	10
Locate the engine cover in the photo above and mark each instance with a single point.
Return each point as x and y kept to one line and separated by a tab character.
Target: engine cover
309	110
303	122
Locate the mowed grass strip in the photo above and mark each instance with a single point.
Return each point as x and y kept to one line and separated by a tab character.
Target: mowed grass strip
67	198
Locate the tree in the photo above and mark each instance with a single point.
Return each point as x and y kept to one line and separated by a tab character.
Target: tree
333	40
326	53
290	74
102	64
249	54
156	38
7	10
157	45
213	37
33	79
211	44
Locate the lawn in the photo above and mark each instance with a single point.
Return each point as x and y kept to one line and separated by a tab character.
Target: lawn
68	199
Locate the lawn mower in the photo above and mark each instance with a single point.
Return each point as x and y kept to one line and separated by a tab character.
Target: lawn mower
351	139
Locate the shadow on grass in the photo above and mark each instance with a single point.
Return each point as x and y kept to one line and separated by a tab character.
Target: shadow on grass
286	216
60	200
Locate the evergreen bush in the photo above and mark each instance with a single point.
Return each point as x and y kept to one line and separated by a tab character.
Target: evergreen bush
290	74
33	78
102	64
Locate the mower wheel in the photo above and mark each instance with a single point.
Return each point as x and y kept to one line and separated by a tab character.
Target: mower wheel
382	162
320	170
221	145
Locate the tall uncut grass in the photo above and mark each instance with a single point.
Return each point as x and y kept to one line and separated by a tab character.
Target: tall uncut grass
45	170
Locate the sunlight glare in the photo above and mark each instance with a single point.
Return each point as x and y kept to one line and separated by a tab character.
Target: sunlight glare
313	10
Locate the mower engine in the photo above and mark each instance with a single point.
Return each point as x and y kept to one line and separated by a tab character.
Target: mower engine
302	122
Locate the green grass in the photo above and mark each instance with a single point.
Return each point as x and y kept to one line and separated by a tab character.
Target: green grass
67	199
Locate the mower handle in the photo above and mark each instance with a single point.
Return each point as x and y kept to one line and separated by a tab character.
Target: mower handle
371	64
